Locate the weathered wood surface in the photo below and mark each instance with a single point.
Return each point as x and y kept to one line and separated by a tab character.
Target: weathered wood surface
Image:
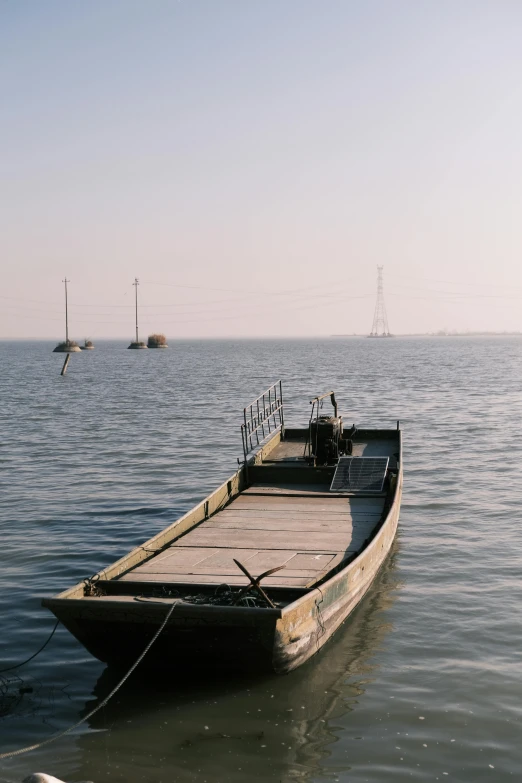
293	450
223	560
264	539
305	534
288	451
315	504
287	489
231	512
377	447
304	490
237	579
342	525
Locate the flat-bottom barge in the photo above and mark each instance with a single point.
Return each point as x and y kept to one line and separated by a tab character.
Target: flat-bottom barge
266	568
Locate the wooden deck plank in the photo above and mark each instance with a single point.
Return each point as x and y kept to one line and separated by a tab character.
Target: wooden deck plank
185	558
216	579
303	490
287	450
312	561
265	559
309	566
256	561
350	538
263	539
323	525
289	492
271	523
306	504
310	502
224	572
378	447
291	508
305	516
252	558
292	527
308	535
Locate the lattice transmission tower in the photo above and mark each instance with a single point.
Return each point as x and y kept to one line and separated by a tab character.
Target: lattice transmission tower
380	319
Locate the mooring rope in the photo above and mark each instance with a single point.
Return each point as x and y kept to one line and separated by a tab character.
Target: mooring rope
102	704
44	645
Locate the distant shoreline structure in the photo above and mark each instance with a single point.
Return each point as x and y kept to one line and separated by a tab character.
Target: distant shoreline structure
442	334
244	338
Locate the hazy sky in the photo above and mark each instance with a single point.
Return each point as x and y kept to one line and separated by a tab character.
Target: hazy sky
252	161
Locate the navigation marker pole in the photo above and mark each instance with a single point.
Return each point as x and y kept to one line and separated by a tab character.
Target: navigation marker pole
67	358
66	362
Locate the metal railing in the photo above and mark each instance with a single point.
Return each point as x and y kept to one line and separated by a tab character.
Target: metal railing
262	418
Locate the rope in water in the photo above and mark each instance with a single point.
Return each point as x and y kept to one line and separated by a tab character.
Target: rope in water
44	645
102	704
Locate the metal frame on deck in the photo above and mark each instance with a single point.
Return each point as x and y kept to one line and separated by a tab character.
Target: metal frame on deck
317	404
264	416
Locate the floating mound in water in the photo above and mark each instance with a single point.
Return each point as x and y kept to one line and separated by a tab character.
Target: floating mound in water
157	341
88	345
68	346
137	345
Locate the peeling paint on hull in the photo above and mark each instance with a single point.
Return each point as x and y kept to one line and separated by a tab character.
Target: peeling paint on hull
309	623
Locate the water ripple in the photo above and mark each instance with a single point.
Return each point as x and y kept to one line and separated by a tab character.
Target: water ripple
423	682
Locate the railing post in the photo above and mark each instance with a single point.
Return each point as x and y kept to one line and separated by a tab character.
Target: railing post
281	409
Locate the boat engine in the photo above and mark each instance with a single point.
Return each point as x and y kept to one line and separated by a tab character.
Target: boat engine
327	441
326	432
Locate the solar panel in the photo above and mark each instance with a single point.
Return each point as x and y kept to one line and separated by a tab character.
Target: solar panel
359	474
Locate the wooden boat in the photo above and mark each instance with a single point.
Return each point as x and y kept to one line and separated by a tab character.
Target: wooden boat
315	509
325	689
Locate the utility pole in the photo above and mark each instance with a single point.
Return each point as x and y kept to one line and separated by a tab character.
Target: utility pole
69	346
136	343
136	284
380	319
66	314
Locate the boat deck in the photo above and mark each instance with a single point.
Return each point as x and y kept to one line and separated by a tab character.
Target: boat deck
292	451
303	527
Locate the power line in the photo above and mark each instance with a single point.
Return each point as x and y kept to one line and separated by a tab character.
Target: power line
292	306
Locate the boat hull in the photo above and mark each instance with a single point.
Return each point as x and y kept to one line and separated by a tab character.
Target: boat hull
114	615
308	624
227	638
224	638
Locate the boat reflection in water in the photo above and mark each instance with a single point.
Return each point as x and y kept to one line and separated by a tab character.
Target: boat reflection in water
271	728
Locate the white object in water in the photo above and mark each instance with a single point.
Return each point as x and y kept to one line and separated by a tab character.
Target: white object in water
41	777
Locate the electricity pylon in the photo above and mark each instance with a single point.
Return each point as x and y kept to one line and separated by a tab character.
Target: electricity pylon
380	319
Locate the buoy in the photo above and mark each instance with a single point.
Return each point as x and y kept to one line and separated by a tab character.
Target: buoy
69	346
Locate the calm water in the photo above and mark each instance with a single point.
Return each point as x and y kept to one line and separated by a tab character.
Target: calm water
423	682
